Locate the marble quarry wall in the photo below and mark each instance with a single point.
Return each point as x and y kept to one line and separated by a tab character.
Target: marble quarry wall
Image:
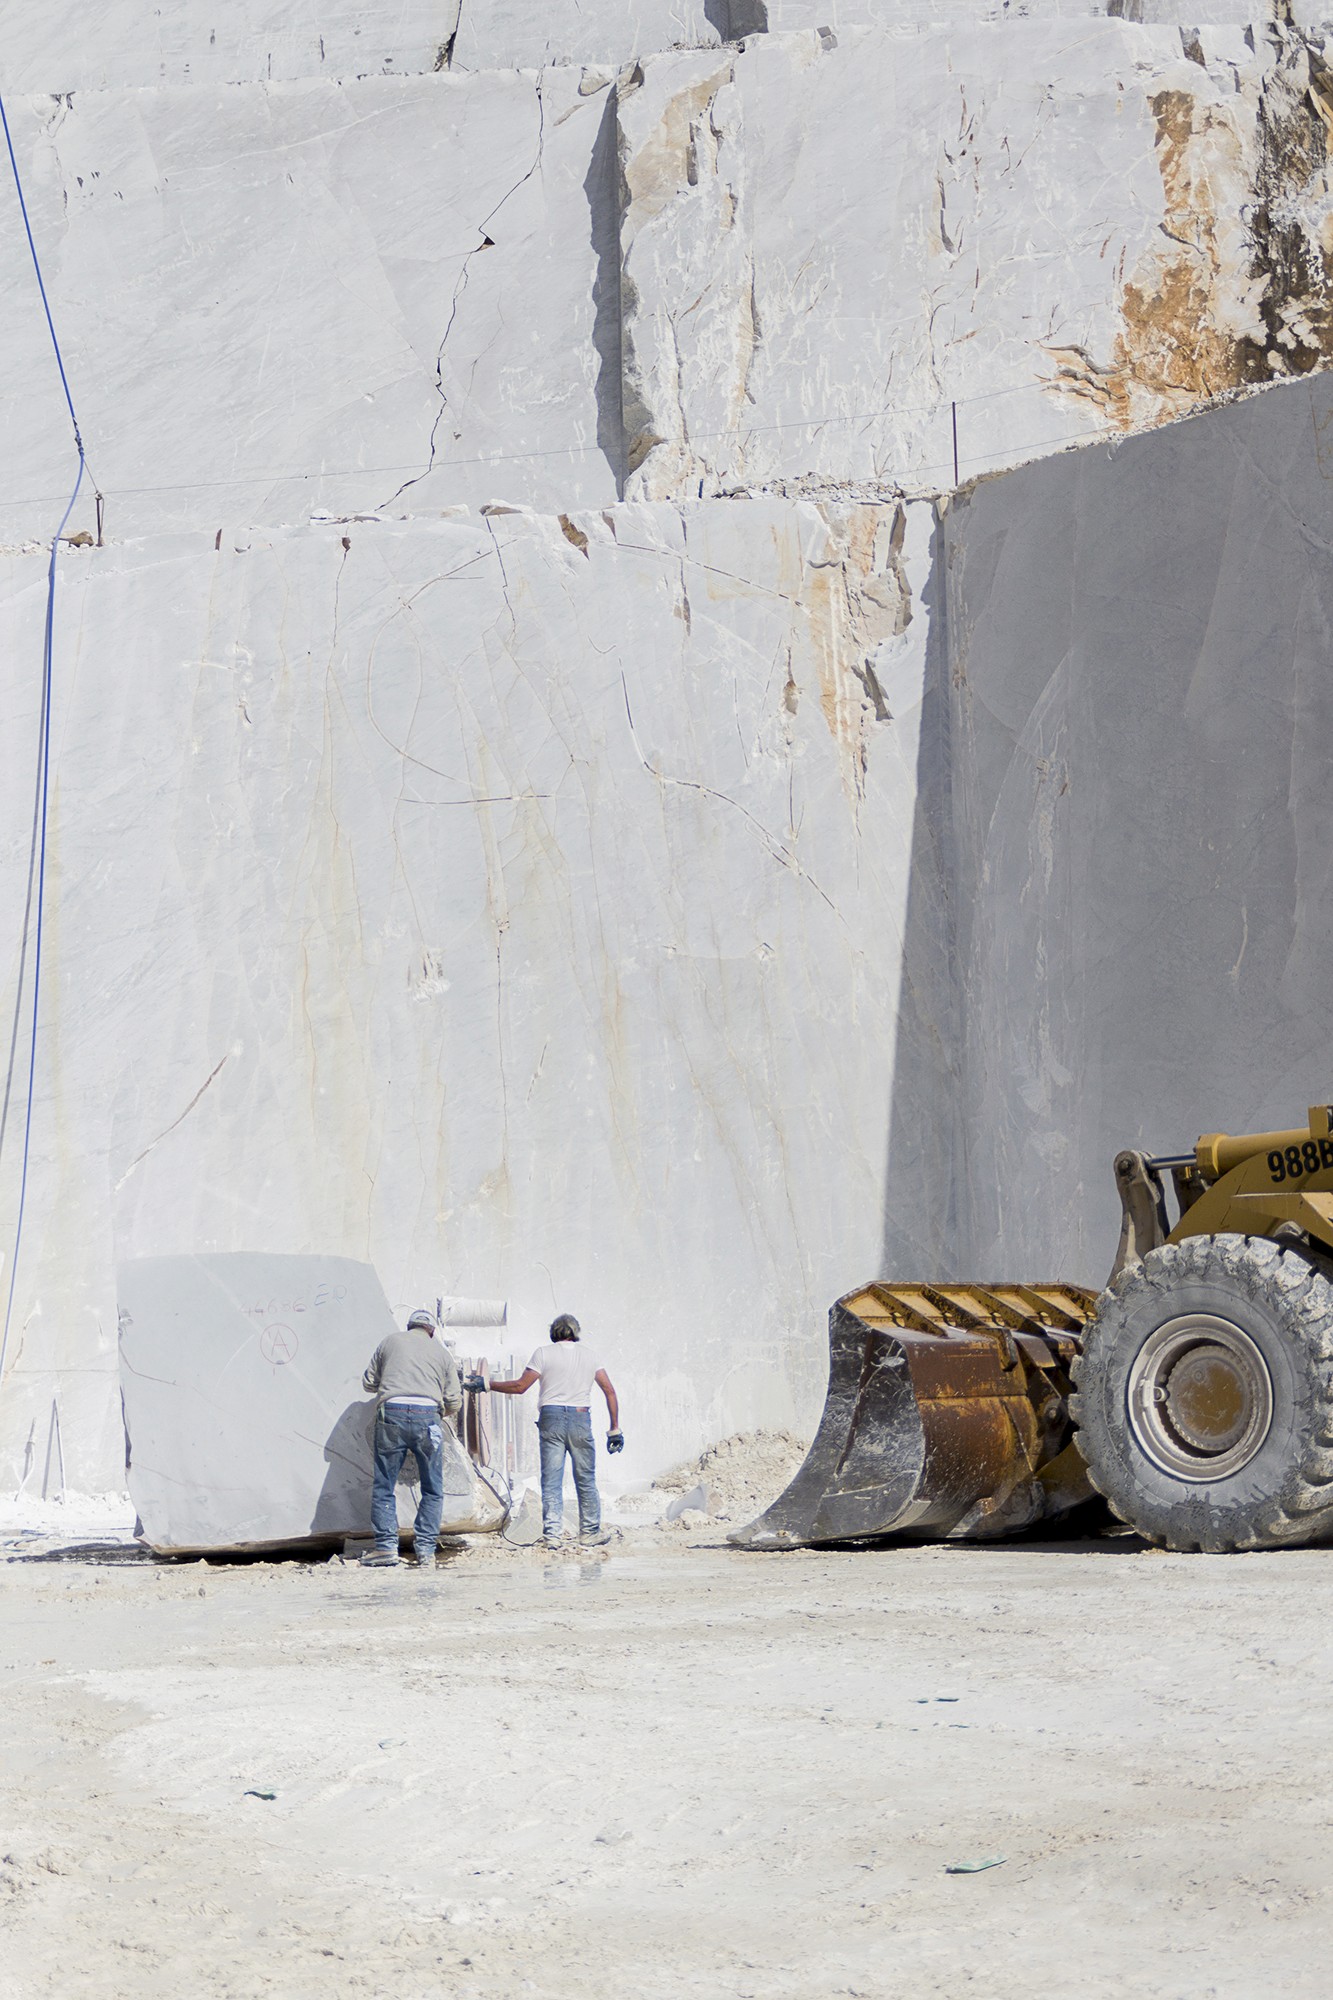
485	821
794	262
1121	925
514	903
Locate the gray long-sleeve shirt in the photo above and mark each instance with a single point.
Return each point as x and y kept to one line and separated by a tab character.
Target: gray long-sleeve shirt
414	1364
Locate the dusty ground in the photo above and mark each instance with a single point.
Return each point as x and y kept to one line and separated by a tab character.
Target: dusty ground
677	1770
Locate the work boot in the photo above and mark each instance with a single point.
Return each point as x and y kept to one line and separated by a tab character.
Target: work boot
380	1559
595	1538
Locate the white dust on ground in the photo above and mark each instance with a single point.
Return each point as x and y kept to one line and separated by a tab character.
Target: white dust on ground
71	1517
685	1769
742	1474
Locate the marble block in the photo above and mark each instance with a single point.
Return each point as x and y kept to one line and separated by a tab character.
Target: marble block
786	261
529	34
246	1424
274	298
59	48
846	252
783	16
1121	922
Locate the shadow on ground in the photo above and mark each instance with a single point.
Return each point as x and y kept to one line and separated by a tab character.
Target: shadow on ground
103	1554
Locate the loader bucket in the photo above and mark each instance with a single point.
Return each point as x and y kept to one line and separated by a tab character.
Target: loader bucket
945	1417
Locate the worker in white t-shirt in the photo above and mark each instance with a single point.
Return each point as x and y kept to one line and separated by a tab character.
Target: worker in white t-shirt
567	1372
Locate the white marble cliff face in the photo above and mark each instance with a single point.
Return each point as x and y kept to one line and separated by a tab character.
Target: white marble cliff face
135	44
512	904
838	247
514	900
811	258
311	300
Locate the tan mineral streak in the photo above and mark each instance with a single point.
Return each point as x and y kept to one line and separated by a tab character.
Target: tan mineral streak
668	160
855	594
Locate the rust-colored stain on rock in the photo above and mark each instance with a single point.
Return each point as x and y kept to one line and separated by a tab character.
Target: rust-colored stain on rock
1237	291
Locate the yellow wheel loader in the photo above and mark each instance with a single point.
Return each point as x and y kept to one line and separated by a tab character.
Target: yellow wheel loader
1195	1393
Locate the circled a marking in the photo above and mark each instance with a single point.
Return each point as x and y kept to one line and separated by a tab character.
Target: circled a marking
278	1344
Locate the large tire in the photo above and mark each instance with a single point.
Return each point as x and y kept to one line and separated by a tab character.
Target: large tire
1204	1397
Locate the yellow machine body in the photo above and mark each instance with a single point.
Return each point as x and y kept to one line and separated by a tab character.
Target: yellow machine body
946	1414
1264	1182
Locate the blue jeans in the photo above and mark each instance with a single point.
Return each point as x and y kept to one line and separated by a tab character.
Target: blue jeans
562	1429
399	1429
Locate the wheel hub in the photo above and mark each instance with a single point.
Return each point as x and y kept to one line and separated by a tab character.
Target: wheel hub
1200	1398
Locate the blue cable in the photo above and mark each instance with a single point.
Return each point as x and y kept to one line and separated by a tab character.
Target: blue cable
41	286
43	774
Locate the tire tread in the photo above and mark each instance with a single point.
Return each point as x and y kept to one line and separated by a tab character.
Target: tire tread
1284	1287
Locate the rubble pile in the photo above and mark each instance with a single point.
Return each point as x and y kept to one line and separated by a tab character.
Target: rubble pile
739	1475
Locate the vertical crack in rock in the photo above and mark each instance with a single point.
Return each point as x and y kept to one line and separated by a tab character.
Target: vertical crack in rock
1238	292
168	1130
445	57
604	187
487	243
443	408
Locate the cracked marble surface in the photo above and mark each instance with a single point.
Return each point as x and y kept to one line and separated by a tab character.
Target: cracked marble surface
309	300
496	34
461	867
139	43
831	240
785	265
513	906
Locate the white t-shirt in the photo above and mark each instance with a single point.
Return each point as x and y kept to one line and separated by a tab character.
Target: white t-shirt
567	1369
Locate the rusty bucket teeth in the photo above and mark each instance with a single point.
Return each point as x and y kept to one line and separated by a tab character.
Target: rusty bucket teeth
944	1403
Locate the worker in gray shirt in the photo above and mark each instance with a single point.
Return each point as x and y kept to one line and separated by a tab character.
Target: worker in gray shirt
416	1381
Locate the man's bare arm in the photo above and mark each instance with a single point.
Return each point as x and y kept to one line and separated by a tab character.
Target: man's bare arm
603	1381
516	1388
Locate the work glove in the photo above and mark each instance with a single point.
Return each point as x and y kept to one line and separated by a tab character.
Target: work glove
475	1384
615	1441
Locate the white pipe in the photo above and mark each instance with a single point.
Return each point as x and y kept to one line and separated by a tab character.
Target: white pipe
473	1312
